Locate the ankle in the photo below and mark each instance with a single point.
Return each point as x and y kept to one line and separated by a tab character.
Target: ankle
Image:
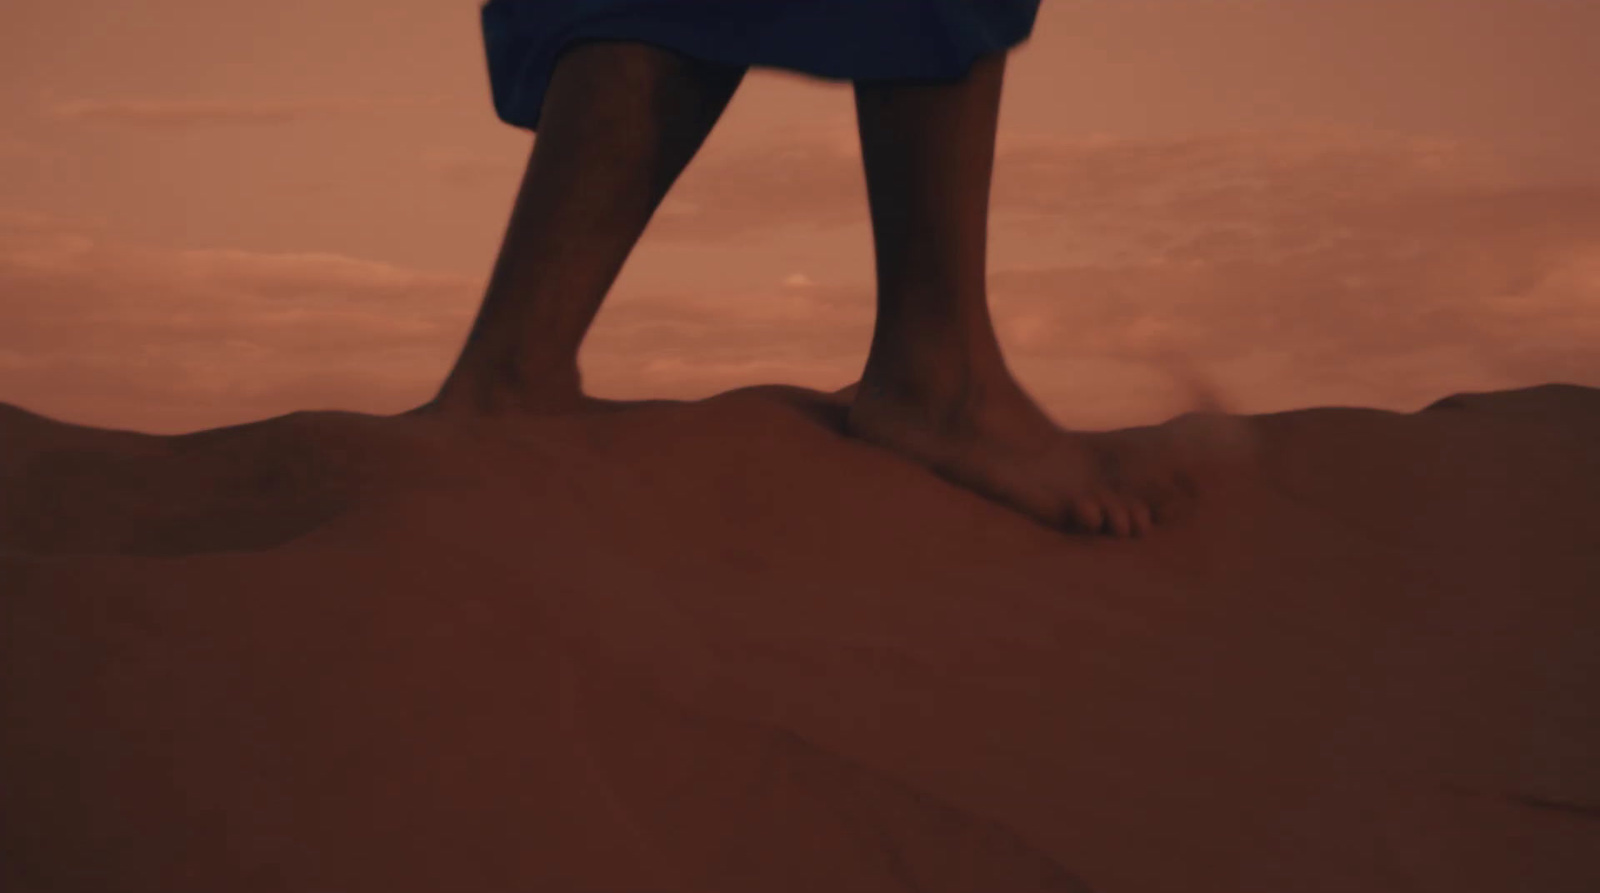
946	369
510	384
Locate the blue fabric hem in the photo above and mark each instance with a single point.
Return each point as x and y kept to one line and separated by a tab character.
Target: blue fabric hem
830	39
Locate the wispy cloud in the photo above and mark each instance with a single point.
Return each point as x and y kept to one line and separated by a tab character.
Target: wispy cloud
797	179
167	112
1297	268
1291	272
15	221
470	168
14	148
115	334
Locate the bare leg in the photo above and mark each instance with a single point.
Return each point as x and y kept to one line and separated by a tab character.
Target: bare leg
936	387
620	122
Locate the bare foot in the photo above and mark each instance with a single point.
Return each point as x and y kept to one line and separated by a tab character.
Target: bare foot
502	403
463	397
1002	445
472	393
509	404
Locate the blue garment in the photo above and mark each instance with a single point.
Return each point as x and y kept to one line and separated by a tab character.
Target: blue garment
838	39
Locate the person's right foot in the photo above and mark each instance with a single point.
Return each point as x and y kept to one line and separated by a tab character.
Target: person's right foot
1003	446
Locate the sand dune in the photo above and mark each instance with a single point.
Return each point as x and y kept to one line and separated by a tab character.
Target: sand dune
718	646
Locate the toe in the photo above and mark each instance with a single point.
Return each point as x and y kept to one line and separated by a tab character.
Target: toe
1088	514
1118	516
1143	520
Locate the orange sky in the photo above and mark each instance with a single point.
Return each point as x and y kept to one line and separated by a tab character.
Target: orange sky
213	212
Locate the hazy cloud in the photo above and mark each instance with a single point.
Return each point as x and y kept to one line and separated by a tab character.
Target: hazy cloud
816	179
209	112
799	180
114	334
14	148
14	221
1292	272
1299	268
469	168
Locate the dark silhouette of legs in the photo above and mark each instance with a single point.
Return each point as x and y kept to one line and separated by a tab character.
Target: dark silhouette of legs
620	122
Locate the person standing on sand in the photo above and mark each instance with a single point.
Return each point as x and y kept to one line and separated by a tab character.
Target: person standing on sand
623	93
